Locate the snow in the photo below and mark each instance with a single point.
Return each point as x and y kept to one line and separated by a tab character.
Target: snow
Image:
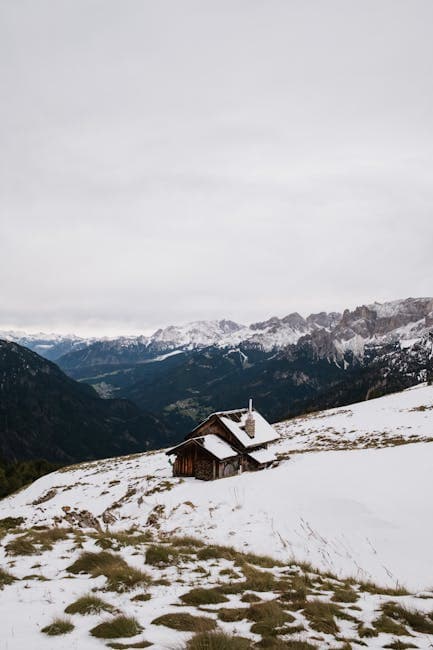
405	416
395	307
364	512
264	432
214	445
218	447
350	511
263	455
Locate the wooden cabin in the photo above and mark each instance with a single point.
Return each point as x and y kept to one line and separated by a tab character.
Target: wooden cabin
225	444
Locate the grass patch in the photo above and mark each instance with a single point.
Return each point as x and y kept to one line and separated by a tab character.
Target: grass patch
187	542
201	596
232	587
115	541
298	592
386	625
411	617
232	614
271	612
186	622
125	646
345	595
21	545
321	616
366	632
9	523
268	617
218	641
58	626
119	627
374	589
159	555
6	578
89	605
399	645
258	580
216	551
36	576
141	598
47	538
120	576
274	644
125	578
250	598
34	541
264	561
230	574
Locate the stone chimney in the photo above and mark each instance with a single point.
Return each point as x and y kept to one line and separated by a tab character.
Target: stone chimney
250	425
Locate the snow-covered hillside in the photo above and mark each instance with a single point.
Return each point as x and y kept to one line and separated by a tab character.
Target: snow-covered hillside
364	513
339	509
391	420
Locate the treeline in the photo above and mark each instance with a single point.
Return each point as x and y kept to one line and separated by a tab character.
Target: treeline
14	475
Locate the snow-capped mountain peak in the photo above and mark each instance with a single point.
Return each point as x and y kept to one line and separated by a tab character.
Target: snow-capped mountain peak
405	320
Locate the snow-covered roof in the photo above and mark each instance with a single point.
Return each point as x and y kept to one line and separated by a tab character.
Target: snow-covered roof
263	456
211	443
235	423
217	446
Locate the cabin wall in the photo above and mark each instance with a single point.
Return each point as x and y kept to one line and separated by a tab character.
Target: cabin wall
249	465
192	461
184	463
205	469
229	467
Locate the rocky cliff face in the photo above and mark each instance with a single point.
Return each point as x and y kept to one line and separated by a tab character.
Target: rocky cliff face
401	320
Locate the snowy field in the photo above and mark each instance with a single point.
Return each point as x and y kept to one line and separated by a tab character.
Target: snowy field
354	512
396	418
365	513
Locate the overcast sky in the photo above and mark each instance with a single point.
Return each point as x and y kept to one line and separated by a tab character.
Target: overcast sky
166	161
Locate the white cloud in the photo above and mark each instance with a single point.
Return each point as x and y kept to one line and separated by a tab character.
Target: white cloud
170	161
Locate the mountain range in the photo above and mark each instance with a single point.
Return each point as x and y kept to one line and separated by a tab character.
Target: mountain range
289	365
380	323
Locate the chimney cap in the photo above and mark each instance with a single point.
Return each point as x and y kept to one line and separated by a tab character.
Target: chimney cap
250	405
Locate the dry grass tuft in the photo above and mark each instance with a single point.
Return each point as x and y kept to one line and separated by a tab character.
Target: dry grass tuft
120	576
258	580
118	628
416	620
159	555
58	626
184	622
321	616
345	595
218	641
126	646
6	578
141	598
201	596
232	614
375	589
89	604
